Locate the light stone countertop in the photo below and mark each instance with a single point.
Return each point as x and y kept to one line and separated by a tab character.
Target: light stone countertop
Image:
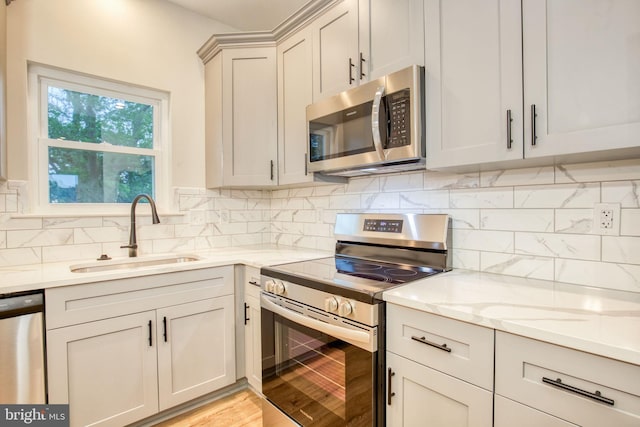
49	275
597	321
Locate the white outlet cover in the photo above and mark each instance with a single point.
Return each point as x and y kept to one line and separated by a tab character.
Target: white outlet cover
597	219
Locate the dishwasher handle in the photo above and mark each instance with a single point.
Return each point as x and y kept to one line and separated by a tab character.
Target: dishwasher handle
21	304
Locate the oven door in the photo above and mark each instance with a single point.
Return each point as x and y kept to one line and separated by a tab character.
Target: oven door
313	376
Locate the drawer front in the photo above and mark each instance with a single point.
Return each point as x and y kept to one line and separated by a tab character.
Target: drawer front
70	305
578	387
460	349
508	413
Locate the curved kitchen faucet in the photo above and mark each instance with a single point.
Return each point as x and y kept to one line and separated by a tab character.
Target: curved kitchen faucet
133	243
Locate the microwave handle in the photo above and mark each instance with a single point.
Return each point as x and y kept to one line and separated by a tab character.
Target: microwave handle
375	122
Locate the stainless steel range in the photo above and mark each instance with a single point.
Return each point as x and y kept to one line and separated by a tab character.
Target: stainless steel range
323	320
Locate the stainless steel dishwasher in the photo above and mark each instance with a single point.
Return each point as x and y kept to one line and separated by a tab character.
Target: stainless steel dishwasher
22	367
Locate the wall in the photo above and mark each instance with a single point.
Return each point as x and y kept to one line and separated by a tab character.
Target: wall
3	89
144	42
521	222
527	222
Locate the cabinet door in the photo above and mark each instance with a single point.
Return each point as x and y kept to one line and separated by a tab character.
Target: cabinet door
582	72
335	50
295	92
426	397
473	76
509	413
250	110
105	370
391	35
196	349
253	337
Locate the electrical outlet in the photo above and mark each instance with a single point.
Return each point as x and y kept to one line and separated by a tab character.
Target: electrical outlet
606	219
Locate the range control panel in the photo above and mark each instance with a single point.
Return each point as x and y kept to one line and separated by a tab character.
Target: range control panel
383	225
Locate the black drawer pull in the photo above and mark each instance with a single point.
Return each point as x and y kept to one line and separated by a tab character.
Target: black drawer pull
246	309
595	396
423	340
164	328
150	334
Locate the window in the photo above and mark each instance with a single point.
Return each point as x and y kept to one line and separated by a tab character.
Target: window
99	143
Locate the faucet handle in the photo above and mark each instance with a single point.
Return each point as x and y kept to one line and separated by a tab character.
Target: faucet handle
134	246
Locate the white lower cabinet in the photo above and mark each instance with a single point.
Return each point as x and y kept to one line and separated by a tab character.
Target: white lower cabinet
420	396
439	371
578	387
252	334
121	351
509	413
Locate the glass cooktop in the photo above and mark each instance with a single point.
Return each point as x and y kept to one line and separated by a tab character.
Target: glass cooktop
352	278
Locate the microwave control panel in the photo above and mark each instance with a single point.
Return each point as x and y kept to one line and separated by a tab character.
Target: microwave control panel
399	107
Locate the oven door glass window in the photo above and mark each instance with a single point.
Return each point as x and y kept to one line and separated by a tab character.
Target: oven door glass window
314	378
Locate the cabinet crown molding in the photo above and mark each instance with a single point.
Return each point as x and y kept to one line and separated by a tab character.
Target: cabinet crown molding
297	20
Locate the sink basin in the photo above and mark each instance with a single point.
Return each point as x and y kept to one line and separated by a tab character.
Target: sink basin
131	263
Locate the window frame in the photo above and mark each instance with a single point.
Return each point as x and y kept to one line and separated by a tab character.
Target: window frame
40	78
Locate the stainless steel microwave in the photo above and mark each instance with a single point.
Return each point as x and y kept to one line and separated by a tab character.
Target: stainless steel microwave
376	127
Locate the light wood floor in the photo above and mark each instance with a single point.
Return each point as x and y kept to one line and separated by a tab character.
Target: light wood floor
242	409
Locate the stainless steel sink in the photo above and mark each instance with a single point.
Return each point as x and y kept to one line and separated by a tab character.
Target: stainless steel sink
131	263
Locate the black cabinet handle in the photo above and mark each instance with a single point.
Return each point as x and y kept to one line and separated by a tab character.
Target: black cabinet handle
351	65
423	340
509	120
246	309
362	61
164	327
271	170
253	282
306	168
533	124
595	396
390	394
150	334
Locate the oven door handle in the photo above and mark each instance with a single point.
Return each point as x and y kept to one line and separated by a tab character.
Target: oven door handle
344	334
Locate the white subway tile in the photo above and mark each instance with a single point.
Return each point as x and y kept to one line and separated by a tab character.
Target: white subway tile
195	230
231	204
402	182
301	192
621	249
230	228
516	219
316	202
466	259
246	239
482	198
517	265
72	222
342	202
445	180
464	218
426	199
572	246
623	277
515	177
305	216
630	222
71	252
557	196
212	242
245	216
282	216
258	227
320	230
155	231
3	239
481	240
3	203
575	221
380	201
9	223
363	185
309	242
599	171
11	203
101	235
162	246
627	193
329	190
20	256
35	238
188	202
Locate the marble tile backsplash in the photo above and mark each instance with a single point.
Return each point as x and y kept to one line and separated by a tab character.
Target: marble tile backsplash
534	222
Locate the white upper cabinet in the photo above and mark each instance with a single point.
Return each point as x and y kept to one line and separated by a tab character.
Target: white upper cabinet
473	77
582	73
241	112
295	92
360	40
391	35
336	59
576	61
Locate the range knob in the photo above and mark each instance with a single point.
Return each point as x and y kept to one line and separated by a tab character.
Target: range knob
331	304
279	288
269	284
345	308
